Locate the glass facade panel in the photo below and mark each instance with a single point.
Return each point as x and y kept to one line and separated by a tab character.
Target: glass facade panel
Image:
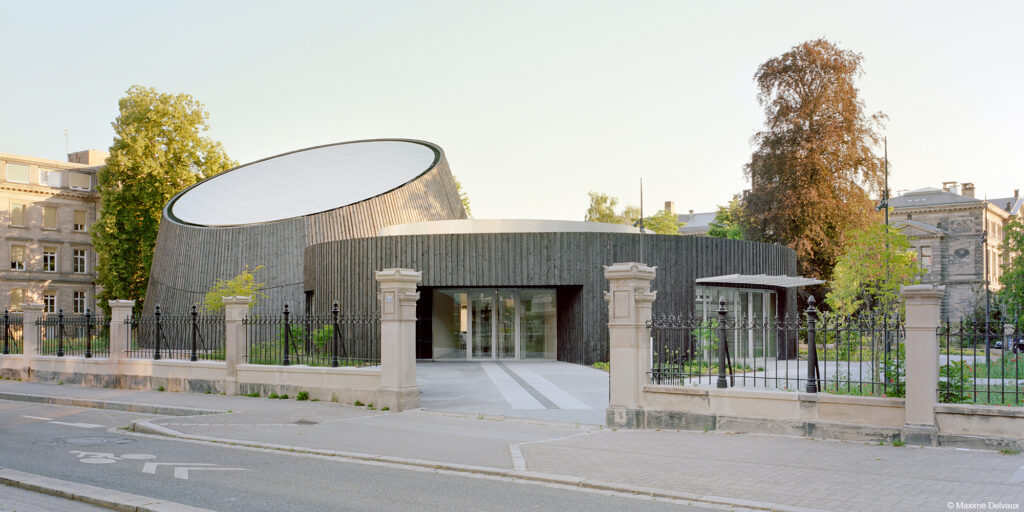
493	323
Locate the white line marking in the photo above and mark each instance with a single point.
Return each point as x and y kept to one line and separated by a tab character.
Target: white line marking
182	473
55	422
554	393
1017	476
514	394
151	467
518	462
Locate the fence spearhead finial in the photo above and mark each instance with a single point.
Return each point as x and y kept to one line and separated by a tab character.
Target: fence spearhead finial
810	305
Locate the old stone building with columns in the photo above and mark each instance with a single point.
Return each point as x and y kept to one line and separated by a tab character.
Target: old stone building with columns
958	239
48	207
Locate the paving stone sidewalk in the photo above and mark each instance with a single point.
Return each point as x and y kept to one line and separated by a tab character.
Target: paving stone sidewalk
784	471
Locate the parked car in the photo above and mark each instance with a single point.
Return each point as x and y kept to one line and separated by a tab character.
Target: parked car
1016	343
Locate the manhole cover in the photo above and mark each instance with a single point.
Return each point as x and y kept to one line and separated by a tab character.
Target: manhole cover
89	441
306	422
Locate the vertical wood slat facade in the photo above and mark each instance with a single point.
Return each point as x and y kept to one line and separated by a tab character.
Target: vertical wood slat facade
189	259
569	262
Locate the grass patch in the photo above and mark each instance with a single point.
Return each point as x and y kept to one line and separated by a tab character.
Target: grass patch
602	365
303	395
1009	451
898	442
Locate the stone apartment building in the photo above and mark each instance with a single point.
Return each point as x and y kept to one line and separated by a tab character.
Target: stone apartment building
946	228
47	209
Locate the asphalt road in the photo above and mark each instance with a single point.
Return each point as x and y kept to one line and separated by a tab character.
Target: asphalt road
78	445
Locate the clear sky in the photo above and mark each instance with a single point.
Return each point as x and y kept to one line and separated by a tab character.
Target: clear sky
535	103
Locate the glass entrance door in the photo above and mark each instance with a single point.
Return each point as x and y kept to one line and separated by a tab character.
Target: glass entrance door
482	324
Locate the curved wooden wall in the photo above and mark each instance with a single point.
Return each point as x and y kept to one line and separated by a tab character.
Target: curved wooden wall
570	262
188	259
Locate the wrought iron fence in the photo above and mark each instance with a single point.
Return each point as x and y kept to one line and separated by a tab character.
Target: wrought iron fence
85	335
822	352
13	330
193	337
324	340
981	363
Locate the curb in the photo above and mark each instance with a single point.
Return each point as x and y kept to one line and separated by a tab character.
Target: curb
147	427
162	410
106	498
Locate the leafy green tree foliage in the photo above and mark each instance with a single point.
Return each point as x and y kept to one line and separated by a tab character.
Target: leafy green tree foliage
1012	294
463	196
663	223
877	262
158	150
602	209
814	167
727	223
242	285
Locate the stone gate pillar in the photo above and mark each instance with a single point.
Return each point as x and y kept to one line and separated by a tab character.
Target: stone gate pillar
398	389
29	338
235	309
120	312
924	303
629	298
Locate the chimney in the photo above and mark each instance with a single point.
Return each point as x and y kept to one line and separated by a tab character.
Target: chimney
968	189
949	186
670	207
88	157
1016	192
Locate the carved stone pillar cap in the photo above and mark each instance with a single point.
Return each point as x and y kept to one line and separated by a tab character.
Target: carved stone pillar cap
923	291
121	303
629	270
237	300
402	275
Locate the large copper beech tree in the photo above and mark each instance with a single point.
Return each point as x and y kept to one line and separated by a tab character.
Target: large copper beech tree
814	169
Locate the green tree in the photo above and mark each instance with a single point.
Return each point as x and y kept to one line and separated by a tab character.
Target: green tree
463	196
877	262
602	209
159	149
242	285
728	220
1012	294
663	223
814	168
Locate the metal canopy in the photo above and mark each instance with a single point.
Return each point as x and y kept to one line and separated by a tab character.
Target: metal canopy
781	281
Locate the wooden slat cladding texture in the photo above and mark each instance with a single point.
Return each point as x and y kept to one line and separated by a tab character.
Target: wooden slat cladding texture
189	259
570	262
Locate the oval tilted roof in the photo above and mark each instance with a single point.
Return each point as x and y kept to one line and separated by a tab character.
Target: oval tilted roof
303	182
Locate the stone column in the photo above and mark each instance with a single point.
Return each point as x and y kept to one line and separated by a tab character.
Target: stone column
629	309
398	390
924	303
29	338
235	309
120	312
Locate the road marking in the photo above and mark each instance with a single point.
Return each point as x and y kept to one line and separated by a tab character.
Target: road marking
182	473
55	422
151	467
518	462
514	394
545	387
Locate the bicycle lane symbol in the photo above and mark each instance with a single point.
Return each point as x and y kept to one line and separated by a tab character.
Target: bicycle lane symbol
108	458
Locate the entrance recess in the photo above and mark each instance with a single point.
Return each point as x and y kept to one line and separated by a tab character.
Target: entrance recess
494	323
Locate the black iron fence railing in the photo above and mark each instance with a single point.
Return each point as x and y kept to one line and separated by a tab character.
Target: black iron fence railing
13	330
192	337
821	352
85	335
981	364
324	340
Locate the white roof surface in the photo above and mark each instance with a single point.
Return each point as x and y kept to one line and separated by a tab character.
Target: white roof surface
303	182
459	226
780	281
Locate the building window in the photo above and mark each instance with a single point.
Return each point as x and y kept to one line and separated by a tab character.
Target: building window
80	181
49	217
79	260
17	257
926	257
50	178
49	302
49	259
78	304
18	299
17	215
17	173
80	221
